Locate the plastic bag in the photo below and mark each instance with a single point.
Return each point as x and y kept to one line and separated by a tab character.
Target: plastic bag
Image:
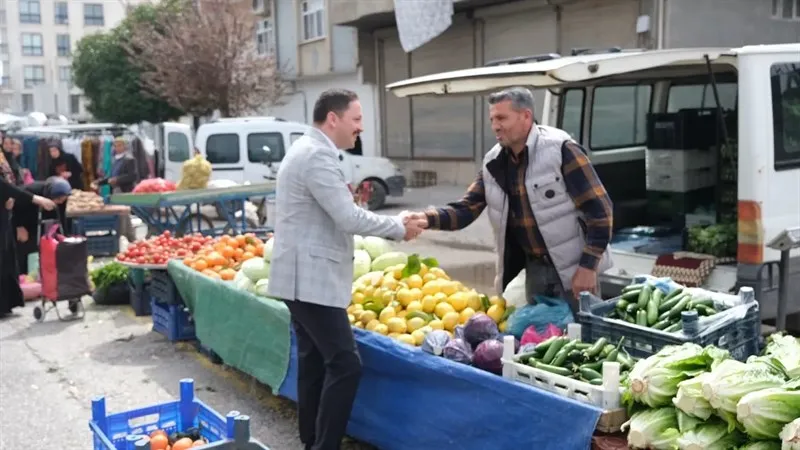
531	336
153	186
514	294
546	311
195	173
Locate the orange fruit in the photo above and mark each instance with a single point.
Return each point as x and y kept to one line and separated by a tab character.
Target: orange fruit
182	444
187	262
227	274
228	251
215	259
238	253
247	255
242	240
159	442
200	265
259	250
250	248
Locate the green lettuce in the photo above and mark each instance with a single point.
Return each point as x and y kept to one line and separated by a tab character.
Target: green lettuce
790	435
655	429
711	435
765	412
786	349
761	445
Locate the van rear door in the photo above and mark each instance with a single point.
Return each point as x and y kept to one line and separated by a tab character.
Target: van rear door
264	149
176	145
228	156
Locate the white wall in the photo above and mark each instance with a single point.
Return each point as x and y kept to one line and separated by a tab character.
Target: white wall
300	106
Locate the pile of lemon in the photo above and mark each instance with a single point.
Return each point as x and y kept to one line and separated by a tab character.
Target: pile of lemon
407	308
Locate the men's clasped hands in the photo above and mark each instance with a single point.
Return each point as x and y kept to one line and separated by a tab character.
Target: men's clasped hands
414	222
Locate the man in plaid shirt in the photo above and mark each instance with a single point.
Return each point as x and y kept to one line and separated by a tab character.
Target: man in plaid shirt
549	210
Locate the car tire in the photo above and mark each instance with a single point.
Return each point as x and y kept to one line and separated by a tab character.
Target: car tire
378	198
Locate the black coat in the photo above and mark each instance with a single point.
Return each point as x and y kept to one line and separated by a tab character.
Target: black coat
68	162
127	178
10	293
26	215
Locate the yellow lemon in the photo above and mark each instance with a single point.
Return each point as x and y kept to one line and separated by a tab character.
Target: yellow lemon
369	291
371	324
458	300
450	320
393	335
358	313
378	292
428	277
406	339
503	326
382	329
428	303
495	300
416	305
368	316
389	283
440	297
416	293
418	336
396	325
495	312
443	308
474	300
404	296
388	297
402	313
351	318
465	315
351	309
358	325
397	273
436	324
449	288
439	272
397	306
431	287
423	269
358	298
414	281
415	323
426	329
386	314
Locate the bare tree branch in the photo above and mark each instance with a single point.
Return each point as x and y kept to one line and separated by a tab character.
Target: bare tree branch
201	56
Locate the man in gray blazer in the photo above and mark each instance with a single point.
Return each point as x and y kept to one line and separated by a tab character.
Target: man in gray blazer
312	264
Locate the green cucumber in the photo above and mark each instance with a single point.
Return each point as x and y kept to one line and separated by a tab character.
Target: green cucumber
708	311
644	296
622	304
561	356
661	324
668	304
705	301
630	318
594	366
674	327
525	356
541	348
583	345
606	350
632	308
596	382
641	318
625	360
663	316
553	349
596	348
563	371
632	287
675	292
589	374
652	310
631	296
677	309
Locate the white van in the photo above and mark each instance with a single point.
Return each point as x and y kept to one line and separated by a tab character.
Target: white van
606	101
239	150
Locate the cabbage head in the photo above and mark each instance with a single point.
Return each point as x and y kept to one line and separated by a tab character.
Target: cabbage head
790	435
762	445
458	350
261	287
480	328
268	249
376	246
358	242
361	263
255	269
435	342
243	283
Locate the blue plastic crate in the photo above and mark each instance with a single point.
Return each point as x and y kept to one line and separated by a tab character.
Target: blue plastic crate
172	321
130	429
741	338
140	297
107	245
163	288
90	224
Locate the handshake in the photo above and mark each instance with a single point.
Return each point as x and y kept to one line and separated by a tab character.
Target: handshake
414	222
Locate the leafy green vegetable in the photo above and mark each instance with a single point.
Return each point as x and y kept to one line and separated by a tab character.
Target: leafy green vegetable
761	445
690	400
710	436
764	413
786	349
653	429
109	274
790	435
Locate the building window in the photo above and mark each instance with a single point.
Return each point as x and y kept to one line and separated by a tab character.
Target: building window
265	37
222	149
177	147
619	116
6	82
30	11
65	75
258	143
3	49
32	44
93	14
74	104
785	81
27	102
63	45
34	76
786	9
3	18
61	13
313	19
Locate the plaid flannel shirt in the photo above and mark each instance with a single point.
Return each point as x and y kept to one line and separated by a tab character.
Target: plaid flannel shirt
583	186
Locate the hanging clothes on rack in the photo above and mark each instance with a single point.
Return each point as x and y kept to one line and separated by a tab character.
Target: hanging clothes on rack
43	159
89	161
72	145
108	159
30	154
140	156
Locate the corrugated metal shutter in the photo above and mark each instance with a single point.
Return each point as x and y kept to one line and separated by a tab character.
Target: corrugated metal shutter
397	119
443	127
599	24
525	33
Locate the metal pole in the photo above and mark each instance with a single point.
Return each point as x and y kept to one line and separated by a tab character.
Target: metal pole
783	291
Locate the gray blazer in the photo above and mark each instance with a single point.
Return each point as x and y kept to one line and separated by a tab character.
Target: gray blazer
316	218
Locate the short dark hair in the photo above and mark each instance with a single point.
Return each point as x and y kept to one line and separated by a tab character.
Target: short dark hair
333	100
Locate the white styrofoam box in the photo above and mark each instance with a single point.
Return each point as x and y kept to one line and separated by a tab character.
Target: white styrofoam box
680	160
676	181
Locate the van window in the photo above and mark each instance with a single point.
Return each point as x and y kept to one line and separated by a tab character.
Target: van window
295	136
177	147
222	148
619	116
572	113
256	143
785	80
692	96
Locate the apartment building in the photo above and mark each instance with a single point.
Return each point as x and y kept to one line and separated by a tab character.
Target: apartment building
37	38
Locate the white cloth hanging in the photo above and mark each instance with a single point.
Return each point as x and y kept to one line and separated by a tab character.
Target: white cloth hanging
419	21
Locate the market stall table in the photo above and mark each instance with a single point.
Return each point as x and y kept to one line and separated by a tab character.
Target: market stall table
406	398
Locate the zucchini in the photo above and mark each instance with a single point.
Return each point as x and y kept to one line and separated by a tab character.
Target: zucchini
596	382
589	374
663	316
561	356
644	296
553	349
675	292
630	318
525	356
631	296
677	309
596	348
674	327
668	304
606	350
658	296
641	318
622	304
705	301
652	310
661	324
583	345
563	371
597	365
707	310
625	360
632	308
633	287
542	347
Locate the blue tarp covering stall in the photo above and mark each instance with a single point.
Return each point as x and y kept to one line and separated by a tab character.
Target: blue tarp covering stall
410	400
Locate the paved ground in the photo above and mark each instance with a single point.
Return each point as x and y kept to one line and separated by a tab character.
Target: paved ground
49	372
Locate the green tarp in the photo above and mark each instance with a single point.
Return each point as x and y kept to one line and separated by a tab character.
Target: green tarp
248	332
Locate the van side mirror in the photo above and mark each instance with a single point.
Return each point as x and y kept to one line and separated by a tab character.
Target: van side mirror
267	155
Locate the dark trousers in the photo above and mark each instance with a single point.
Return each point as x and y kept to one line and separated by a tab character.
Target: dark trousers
329	369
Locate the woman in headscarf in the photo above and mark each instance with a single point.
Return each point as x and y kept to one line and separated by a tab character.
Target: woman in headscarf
12	159
66	166
12	196
26	217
